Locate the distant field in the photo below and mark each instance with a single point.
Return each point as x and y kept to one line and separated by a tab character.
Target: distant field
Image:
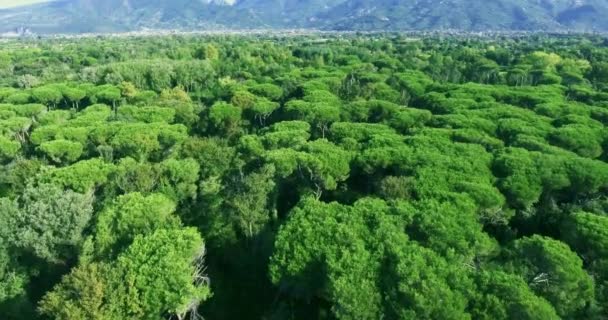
15	3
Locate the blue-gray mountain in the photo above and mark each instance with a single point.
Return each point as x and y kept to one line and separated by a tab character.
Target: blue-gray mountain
78	16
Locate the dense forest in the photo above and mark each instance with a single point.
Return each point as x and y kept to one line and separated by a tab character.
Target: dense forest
304	177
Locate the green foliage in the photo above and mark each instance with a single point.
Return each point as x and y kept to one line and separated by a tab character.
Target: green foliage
18	98
82	176
146	114
157	274
142	283
267	90
129	215
320	162
250	205
47	221
74	96
47	95
108	94
177	178
55	117
523	175
319	114
507	296
62	151
586	234
29	110
552	268
8	149
225	117
583	140
351	243
80	295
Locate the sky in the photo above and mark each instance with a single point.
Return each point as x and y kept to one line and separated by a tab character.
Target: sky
14	3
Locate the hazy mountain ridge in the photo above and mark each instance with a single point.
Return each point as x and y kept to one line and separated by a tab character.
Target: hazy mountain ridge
78	16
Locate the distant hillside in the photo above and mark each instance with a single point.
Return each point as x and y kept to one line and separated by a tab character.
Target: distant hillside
472	15
79	16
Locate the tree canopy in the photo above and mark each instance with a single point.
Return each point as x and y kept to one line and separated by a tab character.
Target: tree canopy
304	176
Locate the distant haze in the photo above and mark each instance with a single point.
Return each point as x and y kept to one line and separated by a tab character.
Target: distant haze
92	16
16	3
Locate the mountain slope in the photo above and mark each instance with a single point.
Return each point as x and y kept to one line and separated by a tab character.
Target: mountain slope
469	15
78	16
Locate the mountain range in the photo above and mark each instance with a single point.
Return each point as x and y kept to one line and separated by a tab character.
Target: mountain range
88	16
